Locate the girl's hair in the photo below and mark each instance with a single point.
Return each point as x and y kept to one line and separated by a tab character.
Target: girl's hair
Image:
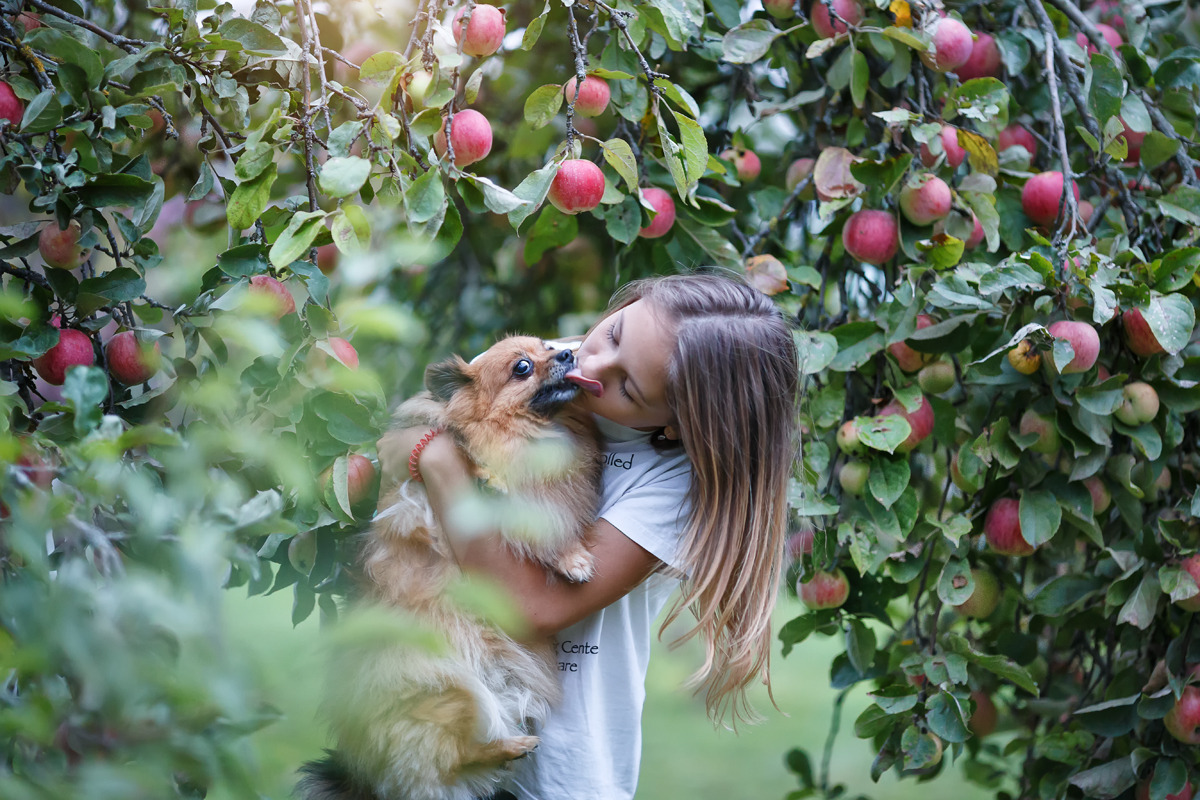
732	388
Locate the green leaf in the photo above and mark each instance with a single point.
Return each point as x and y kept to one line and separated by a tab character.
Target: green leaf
695	147
888	479
884	173
533	190
116	286
254	159
1040	516
619	155
858	82
1140	608
426	196
533	30
944	716
749	41
883	433
551	229
796	631
1108	88
1106	781
942	251
816	350
1182	203
1171	318
250	199
860	645
981	99
543	104
955	584
1157	149
341	177
253	38
116	190
1001	666
296	239
85	390
351	230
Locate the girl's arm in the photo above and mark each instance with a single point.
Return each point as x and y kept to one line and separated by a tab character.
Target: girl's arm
548	604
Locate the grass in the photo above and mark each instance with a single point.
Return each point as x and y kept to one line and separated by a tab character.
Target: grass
683	755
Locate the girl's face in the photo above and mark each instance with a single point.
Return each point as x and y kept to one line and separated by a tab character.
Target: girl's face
624	360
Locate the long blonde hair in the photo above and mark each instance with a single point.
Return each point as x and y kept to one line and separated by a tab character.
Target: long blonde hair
732	387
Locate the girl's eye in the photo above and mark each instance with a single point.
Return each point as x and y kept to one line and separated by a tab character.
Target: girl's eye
609	332
523	368
625	393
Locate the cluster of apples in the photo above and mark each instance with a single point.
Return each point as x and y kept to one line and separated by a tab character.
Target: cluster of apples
130	360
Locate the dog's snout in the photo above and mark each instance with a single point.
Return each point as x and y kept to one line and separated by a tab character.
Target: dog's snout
565	356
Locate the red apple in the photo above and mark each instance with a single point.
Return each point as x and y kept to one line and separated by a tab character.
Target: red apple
664	217
1134	141
920	421
780	9
29	20
925	199
485	30
1083	340
593	96
853	477
74	348
1086	210
1101	499
984	598
280	298
11	108
327	258
848	441
60	248
745	162
1002	528
955	153
1048	441
871	235
360	476
952	45
825	590
1139	403
345	352
984	61
1138	336
849	10
1191	565
1183	720
1041	196
1111	36
470	133
985	716
1017	135
797	171
977	234
578	186
907	359
131	362
800	543
1024	358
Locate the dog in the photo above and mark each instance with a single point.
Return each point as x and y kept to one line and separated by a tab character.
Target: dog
411	724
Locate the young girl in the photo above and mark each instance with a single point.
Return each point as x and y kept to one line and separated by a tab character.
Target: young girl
693	381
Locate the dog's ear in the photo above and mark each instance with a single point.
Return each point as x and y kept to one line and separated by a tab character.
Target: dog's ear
445	378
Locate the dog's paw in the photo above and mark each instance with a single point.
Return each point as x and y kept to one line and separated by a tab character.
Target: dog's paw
522	745
577	566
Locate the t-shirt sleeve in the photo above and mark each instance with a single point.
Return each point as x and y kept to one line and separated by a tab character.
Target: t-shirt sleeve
653	516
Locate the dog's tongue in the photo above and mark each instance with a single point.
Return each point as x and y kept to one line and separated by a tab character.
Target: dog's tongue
587	384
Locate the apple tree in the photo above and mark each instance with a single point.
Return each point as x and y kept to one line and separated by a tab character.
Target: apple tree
233	235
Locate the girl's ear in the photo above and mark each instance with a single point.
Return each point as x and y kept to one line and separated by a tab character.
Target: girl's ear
445	378
671	432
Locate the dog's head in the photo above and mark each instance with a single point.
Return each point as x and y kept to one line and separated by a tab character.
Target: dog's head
515	376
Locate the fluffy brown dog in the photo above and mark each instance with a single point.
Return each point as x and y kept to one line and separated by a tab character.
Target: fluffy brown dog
415	725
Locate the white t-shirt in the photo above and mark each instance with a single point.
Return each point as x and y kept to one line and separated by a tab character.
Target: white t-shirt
591	746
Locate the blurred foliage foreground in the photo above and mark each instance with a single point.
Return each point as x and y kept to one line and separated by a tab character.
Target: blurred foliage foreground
202	206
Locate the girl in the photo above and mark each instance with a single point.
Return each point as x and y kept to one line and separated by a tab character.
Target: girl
693	381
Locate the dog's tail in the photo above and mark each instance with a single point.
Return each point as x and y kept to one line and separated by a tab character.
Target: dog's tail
330	779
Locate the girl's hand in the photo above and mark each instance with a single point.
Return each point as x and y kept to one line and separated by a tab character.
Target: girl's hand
441	457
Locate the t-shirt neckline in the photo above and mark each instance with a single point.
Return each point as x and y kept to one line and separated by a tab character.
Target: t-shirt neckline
615	432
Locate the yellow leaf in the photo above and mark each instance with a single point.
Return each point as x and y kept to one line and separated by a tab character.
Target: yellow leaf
903	13
767	274
979	152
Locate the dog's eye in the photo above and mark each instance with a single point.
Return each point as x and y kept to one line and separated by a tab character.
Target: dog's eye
523	368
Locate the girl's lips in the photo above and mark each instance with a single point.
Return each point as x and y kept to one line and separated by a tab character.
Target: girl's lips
587	384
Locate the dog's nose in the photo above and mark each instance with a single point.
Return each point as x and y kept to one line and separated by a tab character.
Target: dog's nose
565	356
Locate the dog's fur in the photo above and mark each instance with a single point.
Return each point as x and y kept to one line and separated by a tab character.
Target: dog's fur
413	725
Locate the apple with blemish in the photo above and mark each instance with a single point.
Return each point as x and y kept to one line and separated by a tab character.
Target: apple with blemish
746	163
848	441
1138	336
593	96
470	135
664	212
131	362
1025	358
1083	340
824	590
872	236
925	199
952	44
577	186
74	348
1002	528
849	11
485	30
